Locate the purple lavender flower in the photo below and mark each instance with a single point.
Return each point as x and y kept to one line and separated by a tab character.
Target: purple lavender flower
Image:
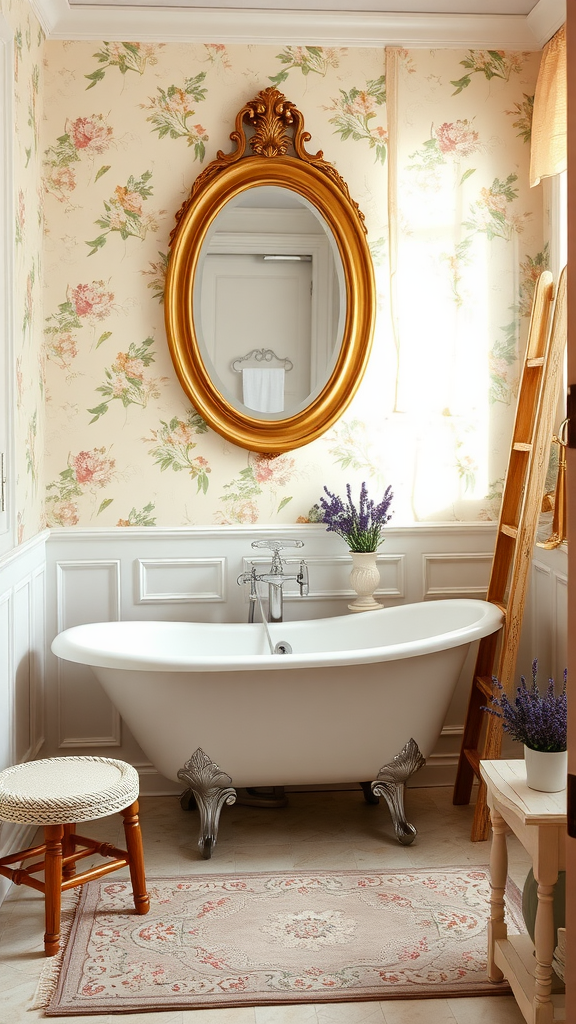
539	720
360	527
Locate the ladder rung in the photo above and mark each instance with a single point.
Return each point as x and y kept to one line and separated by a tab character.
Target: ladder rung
535	361
522	446
484	684
510	531
473	758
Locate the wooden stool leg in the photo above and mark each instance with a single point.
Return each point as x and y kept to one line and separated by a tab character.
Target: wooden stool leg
68	870
136	858
52	887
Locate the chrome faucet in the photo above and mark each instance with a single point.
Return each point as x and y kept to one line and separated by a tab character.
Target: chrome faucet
276	577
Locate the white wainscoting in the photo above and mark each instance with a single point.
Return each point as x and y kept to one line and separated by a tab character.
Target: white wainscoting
191	574
22	651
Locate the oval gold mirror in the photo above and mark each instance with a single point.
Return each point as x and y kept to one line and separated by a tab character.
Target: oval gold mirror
270	296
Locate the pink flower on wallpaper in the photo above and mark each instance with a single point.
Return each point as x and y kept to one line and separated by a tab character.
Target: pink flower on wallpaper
457	137
130	367
21	212
493	200
92	300
65	513
61	179
277	470
92	468
65	348
131	201
19	381
180	101
246	512
90	133
362	104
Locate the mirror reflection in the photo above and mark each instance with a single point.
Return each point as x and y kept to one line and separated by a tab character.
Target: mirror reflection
269	302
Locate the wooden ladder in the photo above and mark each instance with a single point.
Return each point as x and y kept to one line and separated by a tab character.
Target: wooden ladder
521	502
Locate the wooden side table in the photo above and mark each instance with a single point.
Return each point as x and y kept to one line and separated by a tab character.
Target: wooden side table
539	822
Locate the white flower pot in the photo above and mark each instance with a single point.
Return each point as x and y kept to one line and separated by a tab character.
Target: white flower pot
364	579
545	771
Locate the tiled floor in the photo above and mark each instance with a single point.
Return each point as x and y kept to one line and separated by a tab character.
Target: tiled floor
316	830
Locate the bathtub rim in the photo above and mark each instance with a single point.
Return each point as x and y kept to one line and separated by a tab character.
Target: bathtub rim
70	645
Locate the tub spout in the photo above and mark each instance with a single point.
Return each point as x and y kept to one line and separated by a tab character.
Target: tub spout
275	577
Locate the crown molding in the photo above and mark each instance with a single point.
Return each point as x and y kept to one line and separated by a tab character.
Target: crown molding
60	20
546	18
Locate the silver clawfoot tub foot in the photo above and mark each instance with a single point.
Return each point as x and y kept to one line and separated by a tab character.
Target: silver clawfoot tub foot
390	784
211	789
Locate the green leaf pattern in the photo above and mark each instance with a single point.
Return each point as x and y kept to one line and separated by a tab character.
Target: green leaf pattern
172	445
355	109
127	382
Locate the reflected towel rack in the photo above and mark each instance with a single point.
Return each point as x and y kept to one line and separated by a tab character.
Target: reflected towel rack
261	355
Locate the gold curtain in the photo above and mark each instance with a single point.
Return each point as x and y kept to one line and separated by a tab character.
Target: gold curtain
548	145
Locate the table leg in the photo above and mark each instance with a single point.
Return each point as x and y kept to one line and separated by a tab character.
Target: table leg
498	873
544	941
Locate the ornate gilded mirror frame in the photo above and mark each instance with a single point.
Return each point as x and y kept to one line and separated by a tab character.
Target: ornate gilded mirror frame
273	129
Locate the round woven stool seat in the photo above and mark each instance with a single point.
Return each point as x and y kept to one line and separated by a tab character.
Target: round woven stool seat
64	790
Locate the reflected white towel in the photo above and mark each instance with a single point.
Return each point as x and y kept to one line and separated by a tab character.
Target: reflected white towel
263	388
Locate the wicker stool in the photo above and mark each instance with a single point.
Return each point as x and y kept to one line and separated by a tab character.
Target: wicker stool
57	793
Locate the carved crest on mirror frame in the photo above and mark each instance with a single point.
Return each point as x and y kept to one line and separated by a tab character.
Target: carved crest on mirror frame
271	126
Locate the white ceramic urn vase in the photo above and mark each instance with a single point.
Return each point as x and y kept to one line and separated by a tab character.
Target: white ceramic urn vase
364	579
546	771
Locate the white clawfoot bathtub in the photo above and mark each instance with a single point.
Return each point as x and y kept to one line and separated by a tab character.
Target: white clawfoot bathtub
353	692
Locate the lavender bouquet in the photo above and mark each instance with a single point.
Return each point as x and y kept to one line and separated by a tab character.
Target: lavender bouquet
539	720
360	527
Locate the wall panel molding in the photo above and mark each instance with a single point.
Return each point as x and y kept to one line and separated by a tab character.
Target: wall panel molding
458	574
71	599
87	590
22	650
158	580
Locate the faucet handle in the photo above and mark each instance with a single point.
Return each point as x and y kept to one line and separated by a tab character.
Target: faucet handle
303	579
277	545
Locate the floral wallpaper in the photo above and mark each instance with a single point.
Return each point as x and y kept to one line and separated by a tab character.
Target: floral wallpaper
28	267
126	128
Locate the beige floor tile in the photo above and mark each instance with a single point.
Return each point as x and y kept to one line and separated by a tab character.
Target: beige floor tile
484	1011
224	1015
264	858
301	1013
379	859
366	1012
330	856
169	1017
418	1011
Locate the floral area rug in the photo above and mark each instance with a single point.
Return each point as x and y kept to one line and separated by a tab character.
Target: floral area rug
255	939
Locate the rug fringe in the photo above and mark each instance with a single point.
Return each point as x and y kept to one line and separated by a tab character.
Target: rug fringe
48	979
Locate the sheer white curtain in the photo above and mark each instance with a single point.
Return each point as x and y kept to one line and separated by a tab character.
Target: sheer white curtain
465	250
